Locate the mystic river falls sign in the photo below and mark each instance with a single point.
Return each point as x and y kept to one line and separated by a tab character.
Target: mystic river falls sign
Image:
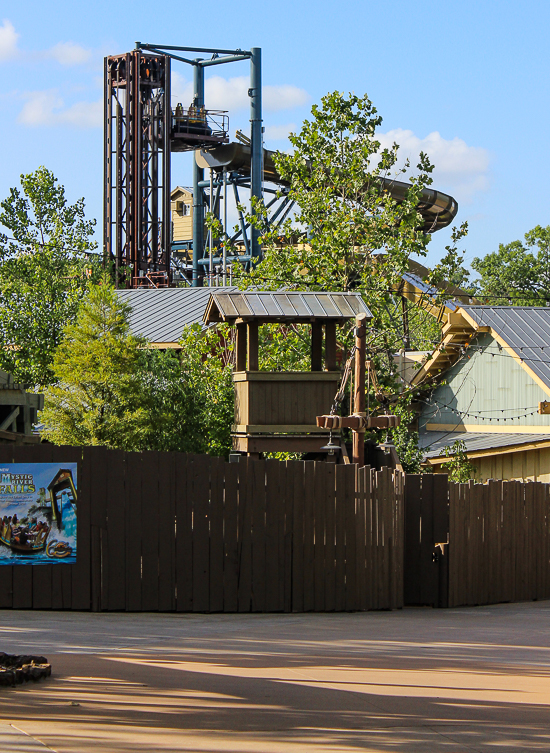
38	503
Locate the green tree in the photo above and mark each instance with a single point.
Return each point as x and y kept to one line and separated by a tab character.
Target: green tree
97	397
405	440
518	273
459	467
112	390
349	233
46	262
207	359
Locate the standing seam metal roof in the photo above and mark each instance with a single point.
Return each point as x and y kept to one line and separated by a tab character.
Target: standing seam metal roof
526	329
432	442
285	306
161	315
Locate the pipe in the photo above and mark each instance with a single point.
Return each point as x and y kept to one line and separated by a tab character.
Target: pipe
224	261
255	93
198	176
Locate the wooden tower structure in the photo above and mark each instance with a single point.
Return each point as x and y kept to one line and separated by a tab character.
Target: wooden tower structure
276	411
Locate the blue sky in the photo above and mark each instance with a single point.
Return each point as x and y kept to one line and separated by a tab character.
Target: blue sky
465	81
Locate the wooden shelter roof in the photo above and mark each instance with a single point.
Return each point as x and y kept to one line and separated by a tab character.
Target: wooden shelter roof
281	306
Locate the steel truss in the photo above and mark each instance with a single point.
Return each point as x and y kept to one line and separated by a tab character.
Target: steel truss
137	220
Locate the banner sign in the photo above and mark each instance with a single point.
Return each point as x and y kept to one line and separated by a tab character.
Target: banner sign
38	508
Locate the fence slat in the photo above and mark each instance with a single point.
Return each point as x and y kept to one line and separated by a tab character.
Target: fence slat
258	536
116	533
184	534
133	531
167	533
412	574
246	491
200	473
231	543
216	534
328	499
274	537
320	484
340	538
351	537
298	537
309	536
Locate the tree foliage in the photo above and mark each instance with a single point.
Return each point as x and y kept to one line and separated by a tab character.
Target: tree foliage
349	233
518	274
46	262
112	390
96	399
459	467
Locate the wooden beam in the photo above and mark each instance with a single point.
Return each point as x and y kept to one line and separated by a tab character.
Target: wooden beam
240	359
358	422
316	346
253	358
330	346
358	437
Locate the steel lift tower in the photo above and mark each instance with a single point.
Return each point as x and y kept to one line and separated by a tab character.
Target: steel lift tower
141	131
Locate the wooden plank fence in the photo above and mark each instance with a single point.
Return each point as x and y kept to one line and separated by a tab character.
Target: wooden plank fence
188	533
172	532
499	536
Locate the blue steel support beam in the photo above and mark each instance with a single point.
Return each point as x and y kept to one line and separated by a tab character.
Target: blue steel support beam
198	177
255	93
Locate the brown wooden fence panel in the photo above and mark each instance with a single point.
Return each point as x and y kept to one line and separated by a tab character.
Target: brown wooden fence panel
499	542
167	531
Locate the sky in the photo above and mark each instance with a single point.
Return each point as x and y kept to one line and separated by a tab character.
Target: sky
463	81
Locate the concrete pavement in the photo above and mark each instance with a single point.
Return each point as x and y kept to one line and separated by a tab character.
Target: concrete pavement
413	680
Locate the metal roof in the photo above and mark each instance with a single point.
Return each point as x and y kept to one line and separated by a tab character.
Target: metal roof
435	441
284	306
526	329
429	290
160	315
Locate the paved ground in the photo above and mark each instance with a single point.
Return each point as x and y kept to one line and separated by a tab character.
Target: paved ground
406	681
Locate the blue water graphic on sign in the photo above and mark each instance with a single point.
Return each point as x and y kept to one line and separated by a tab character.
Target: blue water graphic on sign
38	513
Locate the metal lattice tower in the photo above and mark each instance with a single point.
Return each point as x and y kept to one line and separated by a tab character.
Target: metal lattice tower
138	118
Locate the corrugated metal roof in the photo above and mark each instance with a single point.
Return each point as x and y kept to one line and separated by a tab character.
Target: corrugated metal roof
284	306
526	329
161	315
434	441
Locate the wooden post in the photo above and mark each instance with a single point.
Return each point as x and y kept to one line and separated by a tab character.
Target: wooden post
253	360
240	360
359	382
316	346
330	346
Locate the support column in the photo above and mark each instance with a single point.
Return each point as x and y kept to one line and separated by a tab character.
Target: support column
253	358
198	177
330	346
316	346
240	348
255	93
359	385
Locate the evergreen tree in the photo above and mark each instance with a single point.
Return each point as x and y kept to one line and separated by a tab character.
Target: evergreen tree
97	397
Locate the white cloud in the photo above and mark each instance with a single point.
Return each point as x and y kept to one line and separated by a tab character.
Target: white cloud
8	41
69	53
47	108
232	94
278	132
458	168
283	97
